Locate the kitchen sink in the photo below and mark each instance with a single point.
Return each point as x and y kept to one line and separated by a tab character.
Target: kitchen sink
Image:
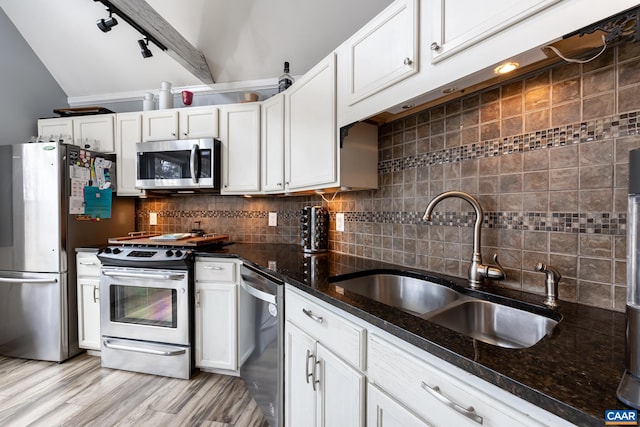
415	296
495	324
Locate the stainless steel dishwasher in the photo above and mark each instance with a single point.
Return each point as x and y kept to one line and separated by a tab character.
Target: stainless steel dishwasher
261	321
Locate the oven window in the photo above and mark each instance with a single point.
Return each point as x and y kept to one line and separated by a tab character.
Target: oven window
144	306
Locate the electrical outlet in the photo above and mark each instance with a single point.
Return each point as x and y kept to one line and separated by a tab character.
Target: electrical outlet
273	219
339	222
153	218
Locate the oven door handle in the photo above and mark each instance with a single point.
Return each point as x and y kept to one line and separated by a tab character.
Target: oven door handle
195	151
176	352
167	276
261	295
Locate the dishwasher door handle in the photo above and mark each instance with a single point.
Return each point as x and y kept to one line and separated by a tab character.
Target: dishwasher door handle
261	295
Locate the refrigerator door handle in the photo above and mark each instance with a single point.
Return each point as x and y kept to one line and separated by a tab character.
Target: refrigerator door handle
195	151
10	280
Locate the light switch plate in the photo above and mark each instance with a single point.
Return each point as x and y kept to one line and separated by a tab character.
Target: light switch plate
273	219
339	222
153	218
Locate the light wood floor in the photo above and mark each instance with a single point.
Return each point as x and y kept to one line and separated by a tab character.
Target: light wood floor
79	392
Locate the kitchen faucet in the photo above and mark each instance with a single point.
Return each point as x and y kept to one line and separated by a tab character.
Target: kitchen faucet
477	270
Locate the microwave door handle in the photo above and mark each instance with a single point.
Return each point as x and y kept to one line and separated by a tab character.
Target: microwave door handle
195	153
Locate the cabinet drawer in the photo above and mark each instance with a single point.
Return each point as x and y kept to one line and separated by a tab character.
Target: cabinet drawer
344	338
211	270
435	395
87	264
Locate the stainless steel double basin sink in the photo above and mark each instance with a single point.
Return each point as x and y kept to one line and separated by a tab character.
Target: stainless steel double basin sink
490	322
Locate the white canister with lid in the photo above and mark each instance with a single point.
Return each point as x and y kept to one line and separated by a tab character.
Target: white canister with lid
166	97
148	102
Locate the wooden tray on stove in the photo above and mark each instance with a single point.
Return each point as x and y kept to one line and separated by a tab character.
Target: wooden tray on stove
170	240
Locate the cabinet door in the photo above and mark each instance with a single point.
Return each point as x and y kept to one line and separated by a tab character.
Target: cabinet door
128	134
384	51
89	313
340	396
273	144
240	135
382	410
310	128
95	132
299	394
216	326
198	122
59	128
458	24
159	125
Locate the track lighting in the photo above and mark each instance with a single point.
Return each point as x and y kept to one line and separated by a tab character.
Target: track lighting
144	48
106	24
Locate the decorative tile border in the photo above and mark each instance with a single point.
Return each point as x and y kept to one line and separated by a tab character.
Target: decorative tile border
216	214
570	222
595	130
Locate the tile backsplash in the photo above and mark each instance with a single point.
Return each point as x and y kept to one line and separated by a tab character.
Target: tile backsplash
545	154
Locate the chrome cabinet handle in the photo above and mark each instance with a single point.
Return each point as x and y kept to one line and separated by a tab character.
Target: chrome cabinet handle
435	46
467	412
198	298
306	368
208	267
312	316
408	61
88	263
95	298
316	380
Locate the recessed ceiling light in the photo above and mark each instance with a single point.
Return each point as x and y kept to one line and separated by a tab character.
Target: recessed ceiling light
506	68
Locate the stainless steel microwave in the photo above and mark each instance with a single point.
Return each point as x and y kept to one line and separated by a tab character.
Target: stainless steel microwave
184	164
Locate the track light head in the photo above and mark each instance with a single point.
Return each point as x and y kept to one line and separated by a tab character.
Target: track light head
106	23
144	48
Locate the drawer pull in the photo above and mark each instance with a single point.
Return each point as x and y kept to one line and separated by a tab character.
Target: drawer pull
96	293
467	412
312	316
88	263
208	267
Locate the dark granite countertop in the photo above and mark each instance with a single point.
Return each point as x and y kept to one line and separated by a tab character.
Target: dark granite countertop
574	373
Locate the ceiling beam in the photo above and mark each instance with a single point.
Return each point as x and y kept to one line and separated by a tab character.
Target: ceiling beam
139	13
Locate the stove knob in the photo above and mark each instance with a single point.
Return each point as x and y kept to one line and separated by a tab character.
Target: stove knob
116	250
178	253
169	252
107	250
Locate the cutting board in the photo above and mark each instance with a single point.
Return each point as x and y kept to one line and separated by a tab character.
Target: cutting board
187	241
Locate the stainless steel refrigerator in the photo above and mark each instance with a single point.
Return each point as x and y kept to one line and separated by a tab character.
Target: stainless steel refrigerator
39	232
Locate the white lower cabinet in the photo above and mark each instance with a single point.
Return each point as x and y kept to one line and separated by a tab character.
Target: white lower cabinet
324	384
325	374
88	292
320	388
383	411
216	318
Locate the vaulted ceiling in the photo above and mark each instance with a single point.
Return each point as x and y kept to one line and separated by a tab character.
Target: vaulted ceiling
242	40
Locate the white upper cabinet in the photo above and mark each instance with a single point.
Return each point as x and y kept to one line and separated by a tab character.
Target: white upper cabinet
384	51
128	134
95	132
272	141
198	122
310	129
159	125
240	136
458	24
